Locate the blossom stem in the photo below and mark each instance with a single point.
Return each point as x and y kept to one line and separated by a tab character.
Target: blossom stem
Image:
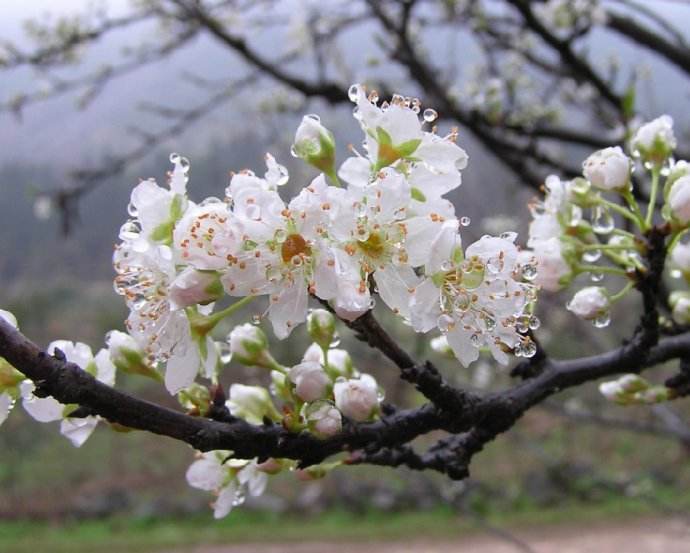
603	247
656	170
596	269
632	204
619	295
675	238
212	320
622	211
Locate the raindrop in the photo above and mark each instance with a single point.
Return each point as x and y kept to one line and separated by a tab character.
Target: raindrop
529	272
444	322
529	348
353	92
132	209
596	277
430	115
590	256
476	340
602	320
602	221
465	221
534	322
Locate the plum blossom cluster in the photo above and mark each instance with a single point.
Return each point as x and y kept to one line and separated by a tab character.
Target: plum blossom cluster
315	395
593	225
378	225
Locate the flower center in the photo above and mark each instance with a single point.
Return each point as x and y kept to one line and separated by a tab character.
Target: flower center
373	246
293	245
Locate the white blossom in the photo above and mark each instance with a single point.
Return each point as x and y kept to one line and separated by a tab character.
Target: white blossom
251	403
679	199
590	303
477	302
229	479
48	409
310	380
357	398
324	419
608	169
655	140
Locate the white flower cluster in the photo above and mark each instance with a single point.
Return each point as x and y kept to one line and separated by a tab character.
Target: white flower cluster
389	230
15	386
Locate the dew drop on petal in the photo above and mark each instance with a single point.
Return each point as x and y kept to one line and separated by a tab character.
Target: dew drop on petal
444	322
529	272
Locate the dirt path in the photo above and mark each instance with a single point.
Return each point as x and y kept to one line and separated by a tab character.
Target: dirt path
642	536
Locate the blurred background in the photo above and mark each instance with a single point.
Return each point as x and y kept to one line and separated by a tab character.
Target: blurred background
94	95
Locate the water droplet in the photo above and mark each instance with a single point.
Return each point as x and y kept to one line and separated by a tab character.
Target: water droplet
529	348
476	340
430	115
293	151
489	323
529	272
534	322
510	236
353	92
296	261
590	256
602	221
335	342
132	209
596	277
676	273
465	221
313	117
444	322
280	236
372	303
603	320
446	265
575	216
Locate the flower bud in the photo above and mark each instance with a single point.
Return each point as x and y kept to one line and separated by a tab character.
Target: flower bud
680	305
310	380
271	466
251	403
323	419
315	144
321	327
357	398
249	346
439	344
608	169
679	200
192	287
680	256
340	363
8	318
590	303
631	389
128	356
196	399
655	140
